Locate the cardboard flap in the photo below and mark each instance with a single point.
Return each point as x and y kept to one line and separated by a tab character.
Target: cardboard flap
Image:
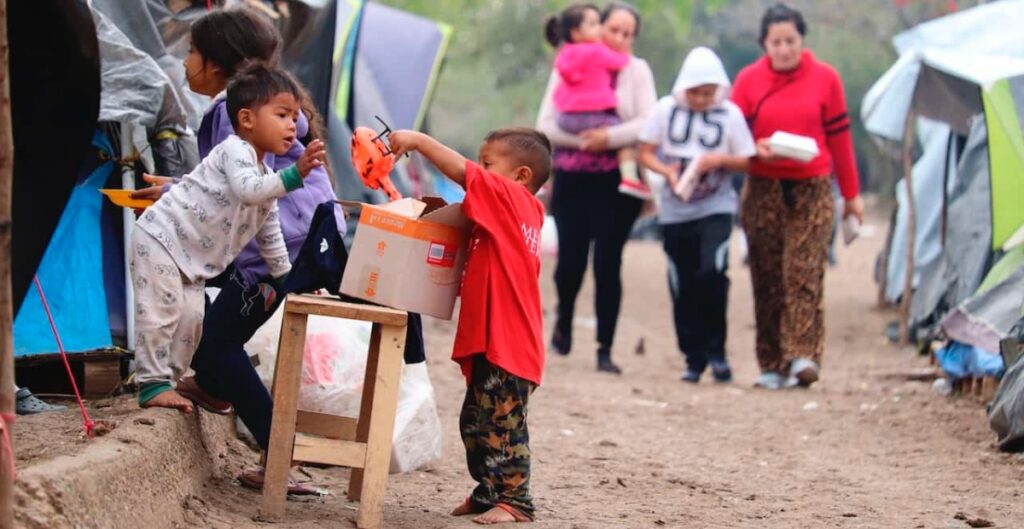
406	207
450	215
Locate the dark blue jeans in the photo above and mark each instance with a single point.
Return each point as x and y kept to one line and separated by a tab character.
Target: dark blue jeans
222	366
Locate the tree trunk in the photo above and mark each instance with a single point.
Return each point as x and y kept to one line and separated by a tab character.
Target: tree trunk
6	303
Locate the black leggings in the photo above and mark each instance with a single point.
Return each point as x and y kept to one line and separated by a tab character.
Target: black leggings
588	208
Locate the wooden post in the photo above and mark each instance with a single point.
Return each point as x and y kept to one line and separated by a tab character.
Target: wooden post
908	169
6	301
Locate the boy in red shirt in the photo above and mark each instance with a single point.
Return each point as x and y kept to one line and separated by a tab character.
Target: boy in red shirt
499	342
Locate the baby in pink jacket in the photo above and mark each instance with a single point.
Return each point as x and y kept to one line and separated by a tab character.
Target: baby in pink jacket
585	97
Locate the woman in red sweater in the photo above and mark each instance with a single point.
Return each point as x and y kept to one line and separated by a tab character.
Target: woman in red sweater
787	206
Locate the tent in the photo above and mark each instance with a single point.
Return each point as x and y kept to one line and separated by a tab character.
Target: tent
82	271
962	77
358	59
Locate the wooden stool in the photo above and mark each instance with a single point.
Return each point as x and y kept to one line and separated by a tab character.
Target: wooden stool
363	443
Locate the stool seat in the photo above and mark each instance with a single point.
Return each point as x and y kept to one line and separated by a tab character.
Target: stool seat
362	443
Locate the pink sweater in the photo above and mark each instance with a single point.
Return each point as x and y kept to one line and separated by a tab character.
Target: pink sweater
586	73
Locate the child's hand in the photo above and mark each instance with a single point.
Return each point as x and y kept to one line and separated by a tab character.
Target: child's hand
156	189
764	150
312	158
403	141
672	175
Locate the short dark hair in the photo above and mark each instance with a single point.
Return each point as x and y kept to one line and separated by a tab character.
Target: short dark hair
257	83
529	147
779	13
558	28
230	37
612	7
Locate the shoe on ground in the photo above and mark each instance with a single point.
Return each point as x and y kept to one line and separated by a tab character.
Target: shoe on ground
802	373
25	403
721	372
691	376
635	188
188	387
769	380
604	362
561	343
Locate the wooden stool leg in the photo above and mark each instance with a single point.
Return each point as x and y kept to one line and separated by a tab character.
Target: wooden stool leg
382	427
287	377
355	481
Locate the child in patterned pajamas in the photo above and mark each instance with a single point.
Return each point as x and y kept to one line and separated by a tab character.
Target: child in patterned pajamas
499	341
198	227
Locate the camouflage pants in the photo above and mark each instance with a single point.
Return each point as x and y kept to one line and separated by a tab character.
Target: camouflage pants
493	427
788	225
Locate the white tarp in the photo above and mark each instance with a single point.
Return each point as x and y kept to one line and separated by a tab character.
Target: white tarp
979	45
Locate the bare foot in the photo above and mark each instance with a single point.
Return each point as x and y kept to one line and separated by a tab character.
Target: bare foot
170	399
466	507
496	515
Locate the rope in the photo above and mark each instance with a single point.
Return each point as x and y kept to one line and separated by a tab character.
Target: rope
86	421
7	419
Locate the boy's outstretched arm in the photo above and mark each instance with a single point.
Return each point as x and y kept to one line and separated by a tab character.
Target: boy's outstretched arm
449	162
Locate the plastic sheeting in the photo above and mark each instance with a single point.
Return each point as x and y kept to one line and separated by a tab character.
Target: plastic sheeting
928	176
71	274
134	87
985	318
164	36
980	45
969	233
1006	415
959	360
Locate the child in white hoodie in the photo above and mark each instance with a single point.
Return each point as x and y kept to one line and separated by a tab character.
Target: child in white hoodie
697	124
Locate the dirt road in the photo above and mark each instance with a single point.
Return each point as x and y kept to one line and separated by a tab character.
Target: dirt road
866	448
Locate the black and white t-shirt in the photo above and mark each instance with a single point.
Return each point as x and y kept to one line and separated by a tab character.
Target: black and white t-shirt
682	135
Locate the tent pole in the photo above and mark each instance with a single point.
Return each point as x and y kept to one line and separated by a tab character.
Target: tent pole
908	284
128	182
6	295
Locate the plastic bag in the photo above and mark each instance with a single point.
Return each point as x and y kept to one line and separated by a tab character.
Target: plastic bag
333	365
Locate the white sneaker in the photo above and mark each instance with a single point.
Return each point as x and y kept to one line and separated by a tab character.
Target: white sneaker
769	380
802	373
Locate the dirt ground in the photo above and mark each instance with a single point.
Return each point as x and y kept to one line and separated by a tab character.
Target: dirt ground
868	447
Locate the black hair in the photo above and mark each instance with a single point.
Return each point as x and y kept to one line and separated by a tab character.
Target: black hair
558	28
255	84
528	147
778	14
230	37
612	7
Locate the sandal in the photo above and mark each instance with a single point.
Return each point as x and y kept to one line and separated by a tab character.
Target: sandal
188	387
520	516
253	478
28	404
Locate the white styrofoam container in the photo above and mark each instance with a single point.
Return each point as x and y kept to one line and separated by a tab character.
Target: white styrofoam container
792	146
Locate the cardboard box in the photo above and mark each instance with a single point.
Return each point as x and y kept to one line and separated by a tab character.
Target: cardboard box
408	255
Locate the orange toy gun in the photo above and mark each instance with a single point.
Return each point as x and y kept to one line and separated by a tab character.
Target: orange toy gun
373	159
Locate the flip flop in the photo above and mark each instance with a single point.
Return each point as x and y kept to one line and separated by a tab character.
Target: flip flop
253	478
517	515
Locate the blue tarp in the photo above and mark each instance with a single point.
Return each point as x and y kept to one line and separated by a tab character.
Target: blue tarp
958	361
71	274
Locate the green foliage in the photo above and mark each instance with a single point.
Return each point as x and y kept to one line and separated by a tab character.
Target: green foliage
498	62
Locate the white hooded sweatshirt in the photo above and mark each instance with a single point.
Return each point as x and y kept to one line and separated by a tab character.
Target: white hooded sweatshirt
682	135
